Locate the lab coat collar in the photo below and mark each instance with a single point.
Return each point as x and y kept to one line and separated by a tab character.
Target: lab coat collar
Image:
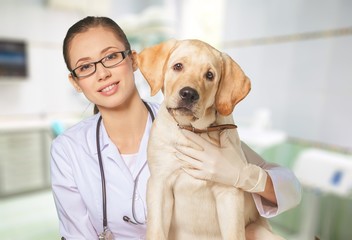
111	152
103	136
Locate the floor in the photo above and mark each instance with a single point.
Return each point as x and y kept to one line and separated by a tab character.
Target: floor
33	216
29	217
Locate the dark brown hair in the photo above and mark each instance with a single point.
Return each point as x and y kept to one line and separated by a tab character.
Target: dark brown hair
84	25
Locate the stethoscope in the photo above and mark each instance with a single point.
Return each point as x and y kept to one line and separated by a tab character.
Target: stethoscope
106	234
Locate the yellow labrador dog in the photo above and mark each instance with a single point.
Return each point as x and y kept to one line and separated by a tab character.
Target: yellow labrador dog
201	86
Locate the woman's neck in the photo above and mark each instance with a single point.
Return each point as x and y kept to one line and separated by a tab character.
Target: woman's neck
126	125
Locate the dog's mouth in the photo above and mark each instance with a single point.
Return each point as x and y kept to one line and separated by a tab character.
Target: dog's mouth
182	112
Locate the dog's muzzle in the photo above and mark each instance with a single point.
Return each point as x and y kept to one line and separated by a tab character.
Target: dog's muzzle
188	97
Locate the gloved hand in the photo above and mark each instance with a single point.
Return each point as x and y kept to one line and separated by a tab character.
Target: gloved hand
225	164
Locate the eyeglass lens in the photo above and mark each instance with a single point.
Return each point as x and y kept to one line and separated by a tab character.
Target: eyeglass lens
108	61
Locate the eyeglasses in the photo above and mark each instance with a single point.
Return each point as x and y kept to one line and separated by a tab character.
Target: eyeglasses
109	61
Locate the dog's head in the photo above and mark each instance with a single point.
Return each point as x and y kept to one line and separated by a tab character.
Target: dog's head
197	80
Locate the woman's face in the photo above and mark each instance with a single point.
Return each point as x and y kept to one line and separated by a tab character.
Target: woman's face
107	87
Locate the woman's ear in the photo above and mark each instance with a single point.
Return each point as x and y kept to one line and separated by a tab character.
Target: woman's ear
74	83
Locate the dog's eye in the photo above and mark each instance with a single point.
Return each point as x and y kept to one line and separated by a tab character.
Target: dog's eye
178	67
209	75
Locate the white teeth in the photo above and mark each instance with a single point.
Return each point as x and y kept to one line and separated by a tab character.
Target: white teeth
109	88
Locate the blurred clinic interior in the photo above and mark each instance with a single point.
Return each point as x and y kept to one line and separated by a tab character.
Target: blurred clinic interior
297	53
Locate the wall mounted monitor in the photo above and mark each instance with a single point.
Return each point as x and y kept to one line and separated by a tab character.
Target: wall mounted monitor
13	60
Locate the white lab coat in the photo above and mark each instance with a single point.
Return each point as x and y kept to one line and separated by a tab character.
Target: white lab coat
76	183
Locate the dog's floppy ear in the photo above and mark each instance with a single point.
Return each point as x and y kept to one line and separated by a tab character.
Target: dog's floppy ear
151	62
234	86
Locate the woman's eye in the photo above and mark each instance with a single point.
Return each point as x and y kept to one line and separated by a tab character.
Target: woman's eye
111	56
85	67
209	75
178	67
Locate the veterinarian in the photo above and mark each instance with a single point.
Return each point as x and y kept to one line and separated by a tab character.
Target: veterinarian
98	167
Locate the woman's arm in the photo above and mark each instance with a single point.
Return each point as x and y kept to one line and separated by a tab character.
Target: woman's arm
282	189
73	215
269	192
274	188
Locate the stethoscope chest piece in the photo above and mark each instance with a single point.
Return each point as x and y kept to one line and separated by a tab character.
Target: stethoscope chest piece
106	235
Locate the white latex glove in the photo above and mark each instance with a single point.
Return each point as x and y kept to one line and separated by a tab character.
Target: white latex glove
225	164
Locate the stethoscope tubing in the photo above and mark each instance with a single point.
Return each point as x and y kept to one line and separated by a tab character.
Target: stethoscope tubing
102	173
103	185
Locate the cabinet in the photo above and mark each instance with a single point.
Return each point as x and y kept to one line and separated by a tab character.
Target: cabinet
24	160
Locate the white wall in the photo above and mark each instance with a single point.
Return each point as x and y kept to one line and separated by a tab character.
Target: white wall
43	25
46	89
306	83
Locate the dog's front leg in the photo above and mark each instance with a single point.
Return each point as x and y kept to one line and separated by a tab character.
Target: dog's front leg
230	208
160	204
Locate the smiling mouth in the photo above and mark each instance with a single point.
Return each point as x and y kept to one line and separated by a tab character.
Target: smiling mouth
108	88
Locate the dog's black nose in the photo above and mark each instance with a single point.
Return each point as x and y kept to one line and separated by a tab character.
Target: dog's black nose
189	94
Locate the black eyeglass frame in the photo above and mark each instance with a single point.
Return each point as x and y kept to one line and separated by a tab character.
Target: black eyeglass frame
123	53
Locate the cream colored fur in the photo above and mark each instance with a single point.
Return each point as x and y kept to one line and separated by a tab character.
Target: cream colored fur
179	206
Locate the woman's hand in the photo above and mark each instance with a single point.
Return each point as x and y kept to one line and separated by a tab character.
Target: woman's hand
225	164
